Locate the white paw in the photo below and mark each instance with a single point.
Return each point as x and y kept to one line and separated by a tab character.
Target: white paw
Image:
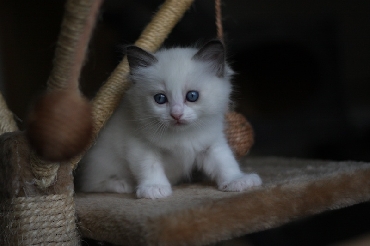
153	191
241	183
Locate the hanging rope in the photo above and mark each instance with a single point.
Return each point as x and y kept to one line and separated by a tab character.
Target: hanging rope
218	12
239	131
78	22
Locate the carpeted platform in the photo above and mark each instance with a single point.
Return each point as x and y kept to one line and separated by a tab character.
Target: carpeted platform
198	214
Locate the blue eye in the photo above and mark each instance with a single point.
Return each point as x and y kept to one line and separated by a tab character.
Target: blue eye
192	96
160	98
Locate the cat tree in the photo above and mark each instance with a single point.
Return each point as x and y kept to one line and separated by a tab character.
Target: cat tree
39	206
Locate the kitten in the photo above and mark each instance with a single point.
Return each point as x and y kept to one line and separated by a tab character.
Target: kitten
170	121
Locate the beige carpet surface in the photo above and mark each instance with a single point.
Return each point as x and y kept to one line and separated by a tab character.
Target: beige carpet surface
199	214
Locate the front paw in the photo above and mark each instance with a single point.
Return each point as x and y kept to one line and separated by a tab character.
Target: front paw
153	191
241	183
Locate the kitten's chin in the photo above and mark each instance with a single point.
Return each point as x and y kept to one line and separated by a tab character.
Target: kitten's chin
179	125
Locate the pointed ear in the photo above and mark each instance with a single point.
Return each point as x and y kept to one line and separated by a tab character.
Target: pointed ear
213	53
138	57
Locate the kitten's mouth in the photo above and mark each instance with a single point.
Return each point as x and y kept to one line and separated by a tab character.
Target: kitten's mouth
179	123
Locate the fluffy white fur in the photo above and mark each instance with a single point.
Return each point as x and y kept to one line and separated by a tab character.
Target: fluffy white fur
144	149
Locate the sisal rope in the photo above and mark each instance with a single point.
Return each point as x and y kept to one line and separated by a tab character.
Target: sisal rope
42	220
239	134
7	122
239	131
45	172
218	12
78	22
50	220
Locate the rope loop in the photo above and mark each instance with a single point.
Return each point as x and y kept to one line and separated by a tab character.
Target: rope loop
45	172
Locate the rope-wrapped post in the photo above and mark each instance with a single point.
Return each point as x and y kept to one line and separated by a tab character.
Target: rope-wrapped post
59	127
36	194
77	25
30	215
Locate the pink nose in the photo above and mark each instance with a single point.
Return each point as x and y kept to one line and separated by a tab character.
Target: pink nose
176	116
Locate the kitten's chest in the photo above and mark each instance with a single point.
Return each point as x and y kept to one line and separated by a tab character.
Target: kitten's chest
185	149
178	163
179	154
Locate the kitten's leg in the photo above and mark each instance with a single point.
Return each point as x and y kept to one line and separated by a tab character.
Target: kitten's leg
220	164
109	185
152	180
116	186
105	177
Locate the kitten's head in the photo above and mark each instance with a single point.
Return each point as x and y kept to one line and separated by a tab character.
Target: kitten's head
179	87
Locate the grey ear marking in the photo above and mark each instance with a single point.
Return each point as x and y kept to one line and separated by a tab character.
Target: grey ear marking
213	52
138	57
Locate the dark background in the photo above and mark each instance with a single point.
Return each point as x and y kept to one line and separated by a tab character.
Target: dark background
303	78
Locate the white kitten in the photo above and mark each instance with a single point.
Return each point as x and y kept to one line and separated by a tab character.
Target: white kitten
170	121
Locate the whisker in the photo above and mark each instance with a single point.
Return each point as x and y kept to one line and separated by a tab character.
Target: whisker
163	129
156	133
142	118
148	125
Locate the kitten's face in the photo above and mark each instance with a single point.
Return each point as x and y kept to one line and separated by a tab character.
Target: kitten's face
179	88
